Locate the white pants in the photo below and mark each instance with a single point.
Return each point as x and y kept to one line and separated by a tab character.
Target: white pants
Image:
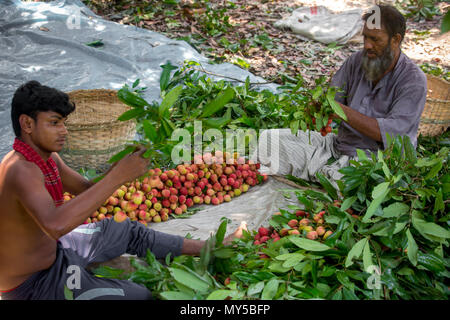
282	153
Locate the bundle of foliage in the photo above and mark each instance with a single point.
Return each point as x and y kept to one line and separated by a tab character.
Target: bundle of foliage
189	96
390	241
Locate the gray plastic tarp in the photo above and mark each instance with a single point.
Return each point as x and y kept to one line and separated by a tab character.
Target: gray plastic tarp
47	42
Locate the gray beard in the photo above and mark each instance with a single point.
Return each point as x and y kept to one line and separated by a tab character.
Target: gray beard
375	68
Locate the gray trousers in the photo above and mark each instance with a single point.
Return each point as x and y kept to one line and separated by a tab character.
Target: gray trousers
96	242
281	153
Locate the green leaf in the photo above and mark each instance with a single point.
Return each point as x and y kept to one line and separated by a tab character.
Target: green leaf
429	230
218	103
412	248
395	210
294	125
439	204
374	205
355	252
277	266
434	171
410	151
122	154
317	92
334	105
293	261
367	256
108	272
169	100
222	294
308	244
150	131
189	280
131	114
165	75
431	261
427	162
95	44
68	294
270	289
176	295
362	156
220	234
436	230
218	122
224	253
131	99
380	189
326	184
255	288
445	25
348	202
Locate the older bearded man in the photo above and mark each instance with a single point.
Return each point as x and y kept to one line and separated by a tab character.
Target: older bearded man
383	91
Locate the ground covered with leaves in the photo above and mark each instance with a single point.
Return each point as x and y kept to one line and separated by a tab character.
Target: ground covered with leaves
243	32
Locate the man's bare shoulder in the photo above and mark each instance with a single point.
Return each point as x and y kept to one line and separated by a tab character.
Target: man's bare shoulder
16	169
58	160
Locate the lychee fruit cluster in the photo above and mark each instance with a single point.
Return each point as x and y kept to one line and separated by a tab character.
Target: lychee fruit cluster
211	179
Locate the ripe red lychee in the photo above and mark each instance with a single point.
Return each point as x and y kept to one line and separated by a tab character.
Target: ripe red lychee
300	213
173	198
320	231
215	201
284	232
312	235
292	223
304	222
182	199
165	193
263	231
165	203
189	202
120	216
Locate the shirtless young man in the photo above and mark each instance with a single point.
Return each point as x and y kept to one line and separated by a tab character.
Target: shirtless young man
41	237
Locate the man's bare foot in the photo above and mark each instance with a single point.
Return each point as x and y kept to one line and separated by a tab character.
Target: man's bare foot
237	234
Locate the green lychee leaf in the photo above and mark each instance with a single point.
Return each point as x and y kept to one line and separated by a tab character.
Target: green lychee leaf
412	248
307	244
68	294
355	252
169	100
122	154
218	103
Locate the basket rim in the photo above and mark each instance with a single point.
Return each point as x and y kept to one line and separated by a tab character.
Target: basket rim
85	93
437	78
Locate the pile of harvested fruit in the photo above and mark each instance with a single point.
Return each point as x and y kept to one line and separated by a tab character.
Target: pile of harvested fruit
211	179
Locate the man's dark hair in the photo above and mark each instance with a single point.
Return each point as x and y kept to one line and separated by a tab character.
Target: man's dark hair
32	98
392	20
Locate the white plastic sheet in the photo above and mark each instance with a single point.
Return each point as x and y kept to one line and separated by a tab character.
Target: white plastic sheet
321	24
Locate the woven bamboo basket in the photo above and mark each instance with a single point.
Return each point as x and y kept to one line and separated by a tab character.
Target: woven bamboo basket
436	115
95	134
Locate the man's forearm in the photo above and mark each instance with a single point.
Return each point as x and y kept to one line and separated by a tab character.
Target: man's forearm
192	247
368	126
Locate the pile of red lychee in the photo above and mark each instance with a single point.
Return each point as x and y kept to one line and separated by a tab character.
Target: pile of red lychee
211	179
312	228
